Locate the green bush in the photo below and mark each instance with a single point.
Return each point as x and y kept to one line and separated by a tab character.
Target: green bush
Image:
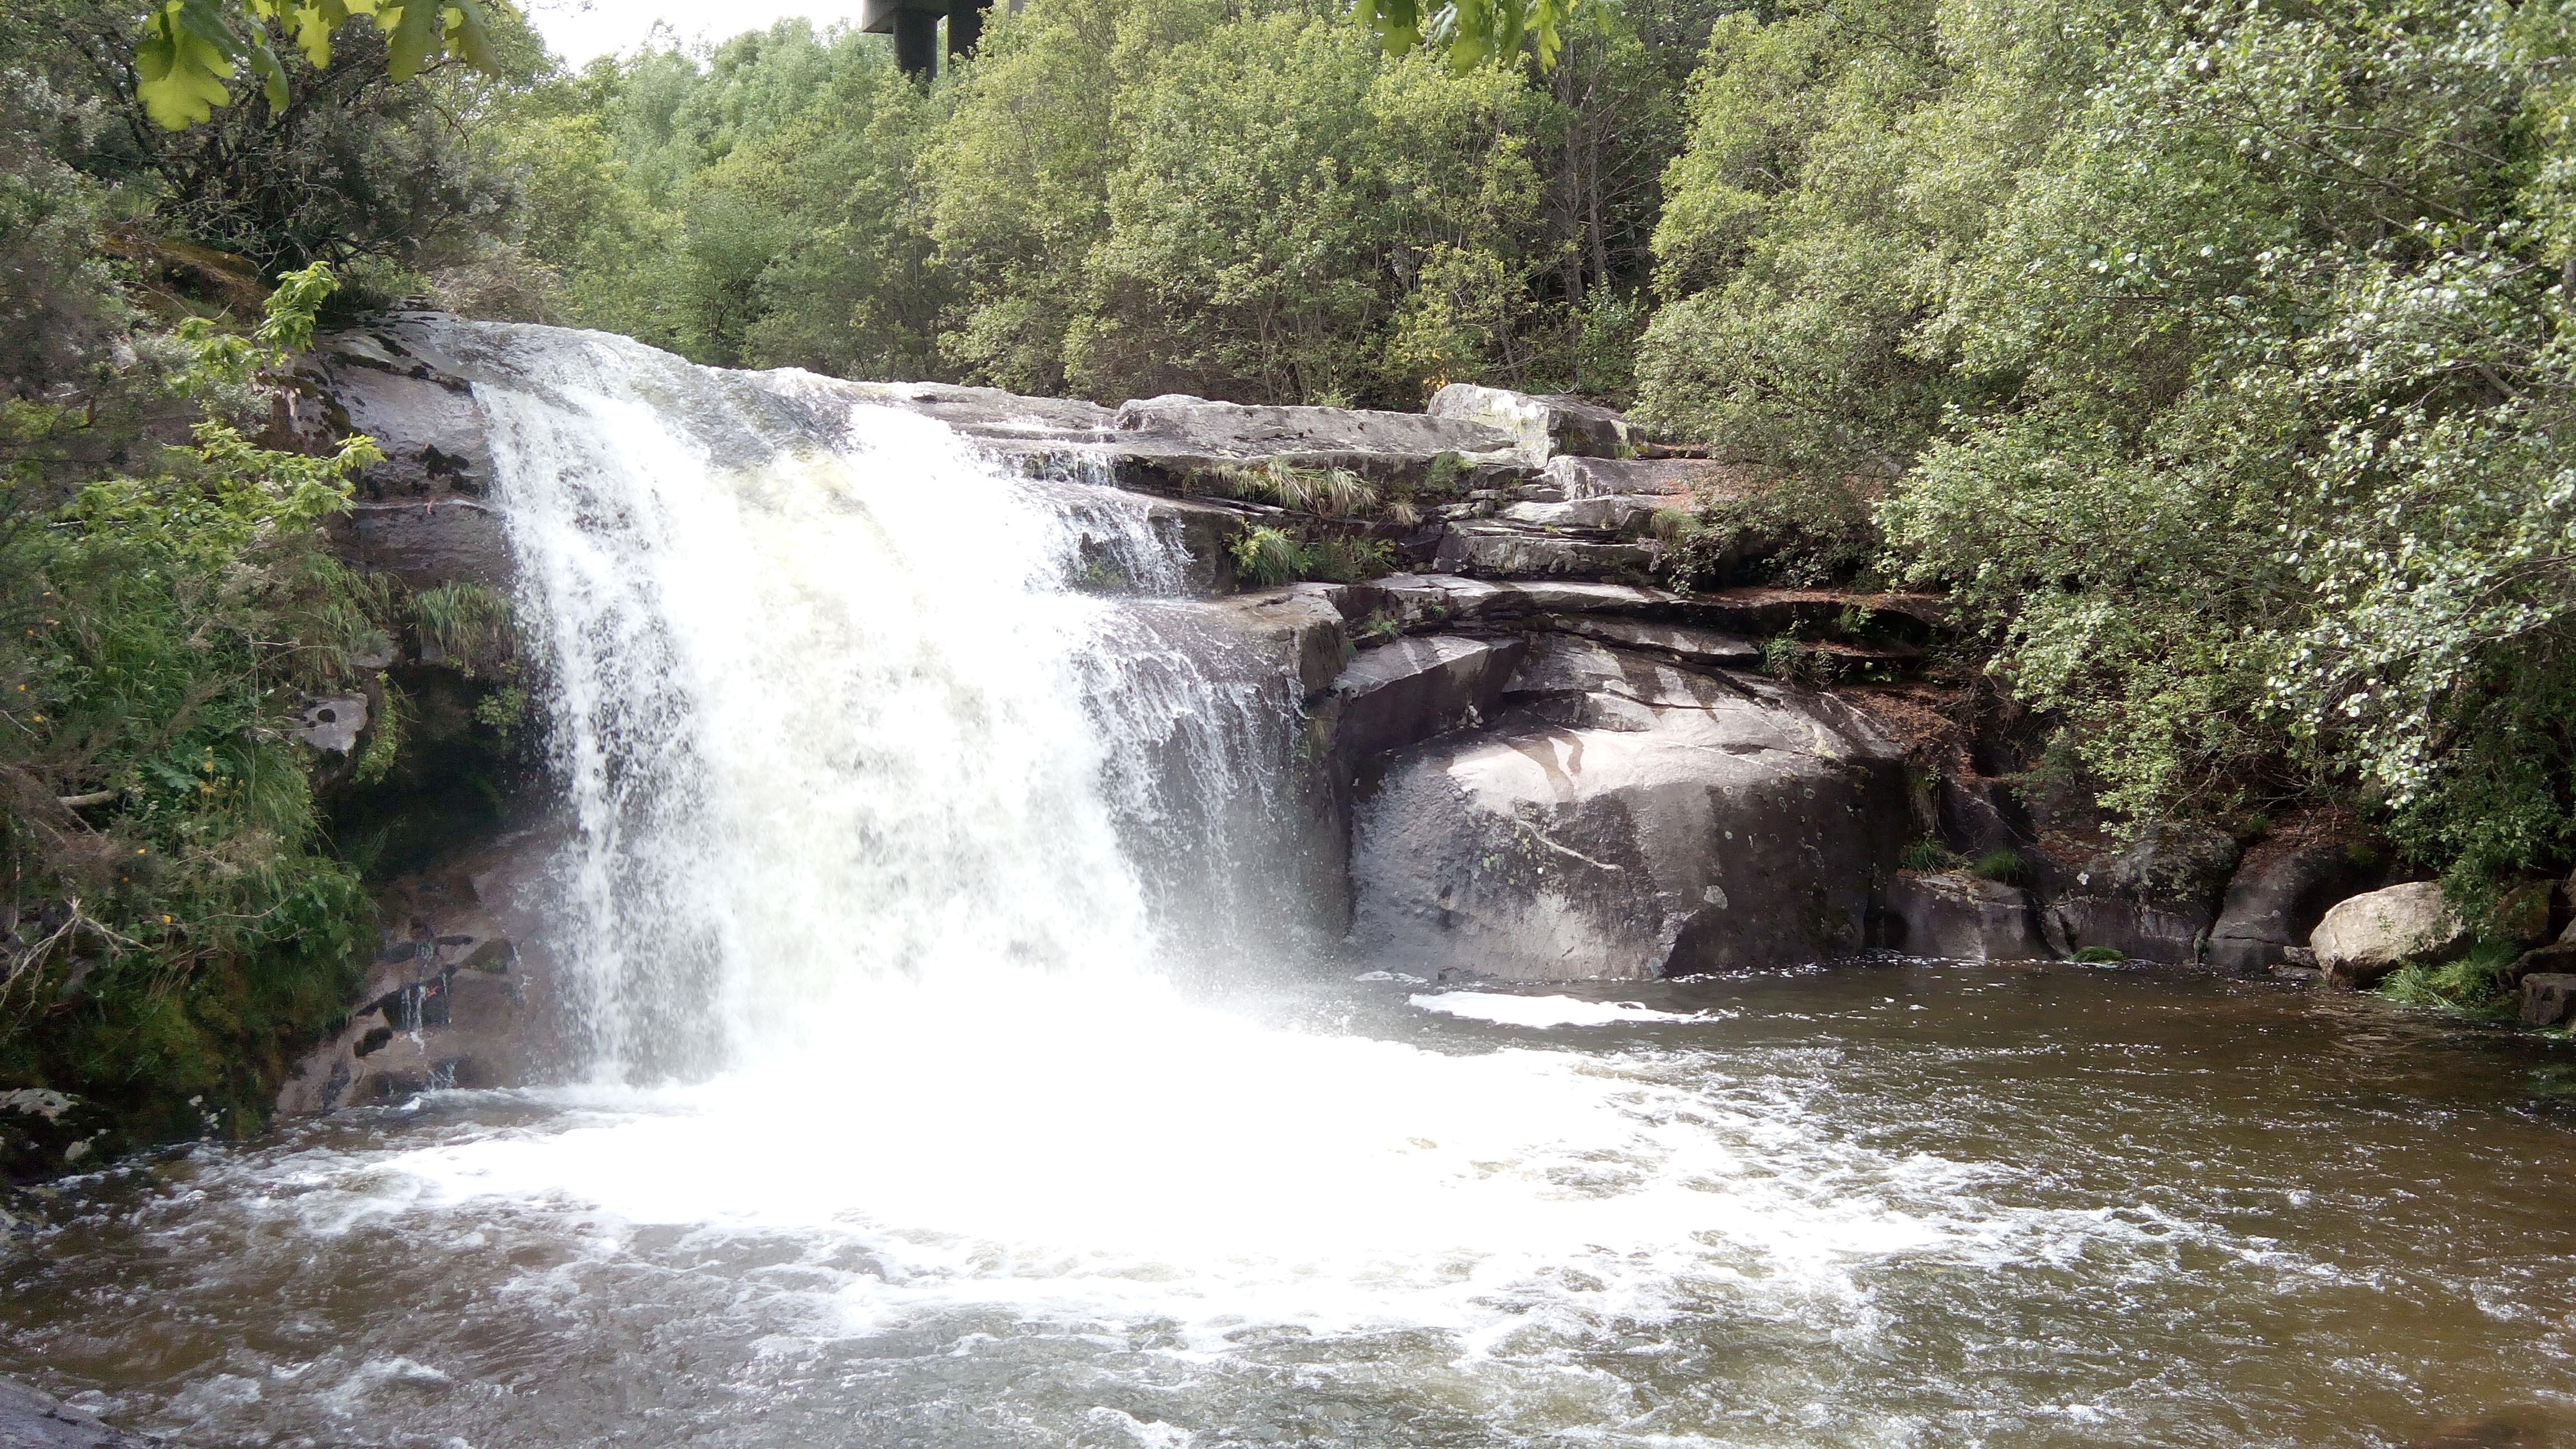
2472	986
2005	866
173	925
1928	855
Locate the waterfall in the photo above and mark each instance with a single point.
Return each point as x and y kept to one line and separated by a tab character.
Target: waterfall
835	721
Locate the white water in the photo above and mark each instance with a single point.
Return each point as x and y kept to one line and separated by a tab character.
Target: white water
874	815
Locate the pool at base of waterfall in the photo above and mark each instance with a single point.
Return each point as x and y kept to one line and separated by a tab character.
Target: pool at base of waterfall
1879	1203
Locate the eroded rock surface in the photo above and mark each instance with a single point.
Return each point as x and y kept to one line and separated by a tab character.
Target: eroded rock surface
1627	819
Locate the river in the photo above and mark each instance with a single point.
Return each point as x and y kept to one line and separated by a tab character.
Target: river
951	1073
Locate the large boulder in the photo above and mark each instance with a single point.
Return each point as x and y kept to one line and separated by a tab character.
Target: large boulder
1629	818
2276	898
2549	998
2154	898
1957	916
2364	938
1542	426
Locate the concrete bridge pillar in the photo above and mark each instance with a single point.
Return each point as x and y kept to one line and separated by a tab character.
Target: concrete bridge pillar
914	24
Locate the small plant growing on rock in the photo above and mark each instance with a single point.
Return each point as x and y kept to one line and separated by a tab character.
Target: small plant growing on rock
2005	866
1347	559
2474	985
1928	855
2100	956
1324	492
1265	558
467	623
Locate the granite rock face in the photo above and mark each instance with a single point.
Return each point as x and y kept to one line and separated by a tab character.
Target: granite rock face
1627	818
1542	426
1958	916
2273	903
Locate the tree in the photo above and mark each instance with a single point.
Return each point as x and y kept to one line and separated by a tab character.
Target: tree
191	49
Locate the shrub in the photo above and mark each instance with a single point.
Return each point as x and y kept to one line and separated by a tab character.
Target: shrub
2005	866
1265	558
1928	855
2472	986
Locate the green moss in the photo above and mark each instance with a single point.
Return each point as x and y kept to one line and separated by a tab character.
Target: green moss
2100	956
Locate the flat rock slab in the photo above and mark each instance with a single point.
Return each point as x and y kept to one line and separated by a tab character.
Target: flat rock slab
1508	550
1627	515
1670	480
1407	691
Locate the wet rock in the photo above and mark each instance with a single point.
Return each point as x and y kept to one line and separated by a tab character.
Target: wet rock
1407	691
1506	550
30	1420
386	381
2549	998
333	724
430	542
1303	624
2275	899
1958	916
2367	936
1629	819
1542	426
460	993
419	514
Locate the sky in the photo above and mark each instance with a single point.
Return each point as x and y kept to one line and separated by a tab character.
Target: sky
581	29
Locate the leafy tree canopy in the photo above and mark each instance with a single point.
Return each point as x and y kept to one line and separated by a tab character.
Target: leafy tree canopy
192	49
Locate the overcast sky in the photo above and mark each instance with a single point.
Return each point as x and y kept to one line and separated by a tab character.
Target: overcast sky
581	29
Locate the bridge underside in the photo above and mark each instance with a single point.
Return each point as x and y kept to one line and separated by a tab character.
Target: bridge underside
914	24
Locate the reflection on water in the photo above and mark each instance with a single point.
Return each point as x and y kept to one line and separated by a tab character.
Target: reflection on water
1878	1204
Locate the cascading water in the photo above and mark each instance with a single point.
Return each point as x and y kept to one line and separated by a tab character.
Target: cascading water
838	737
917	826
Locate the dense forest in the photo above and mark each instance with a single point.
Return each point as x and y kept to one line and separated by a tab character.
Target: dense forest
2212	357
